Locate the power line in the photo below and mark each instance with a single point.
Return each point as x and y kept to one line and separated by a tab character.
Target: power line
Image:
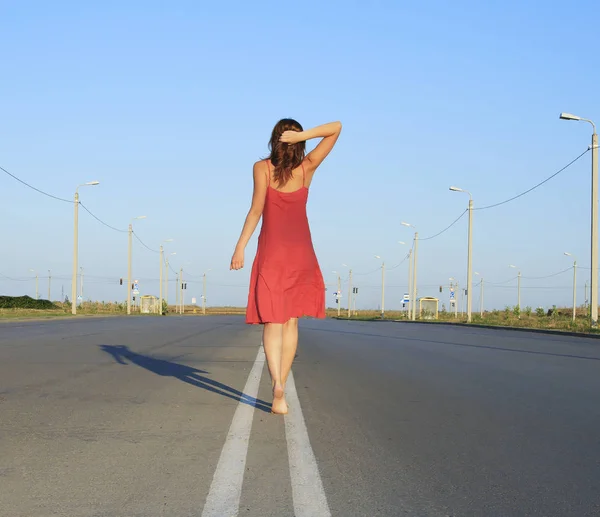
445	229
548	276
100	220
18	279
143	244
501	283
36	189
193	276
369	273
400	263
534	187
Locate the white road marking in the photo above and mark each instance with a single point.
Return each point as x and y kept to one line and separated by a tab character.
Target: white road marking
307	488
223	498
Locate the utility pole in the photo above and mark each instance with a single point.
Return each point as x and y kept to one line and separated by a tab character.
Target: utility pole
594	278
160	298
382	290
470	262
37	291
350	294
75	255
594	225
339	288
204	293
519	292
81	284
49	282
76	246
130	232
177	293
481	300
574	290
182	309
414	285
410	300
456	291
167	281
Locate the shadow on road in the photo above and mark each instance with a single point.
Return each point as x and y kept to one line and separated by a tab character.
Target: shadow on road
193	376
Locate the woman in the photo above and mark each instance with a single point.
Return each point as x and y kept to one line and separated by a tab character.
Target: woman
286	282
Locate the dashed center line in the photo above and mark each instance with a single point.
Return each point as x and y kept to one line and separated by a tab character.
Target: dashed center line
308	494
226	488
307	488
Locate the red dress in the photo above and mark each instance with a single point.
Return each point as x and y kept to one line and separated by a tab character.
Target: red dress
286	280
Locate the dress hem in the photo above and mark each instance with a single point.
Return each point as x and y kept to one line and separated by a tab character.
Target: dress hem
255	322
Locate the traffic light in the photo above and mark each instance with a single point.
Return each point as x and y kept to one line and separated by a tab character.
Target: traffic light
120	281
441	289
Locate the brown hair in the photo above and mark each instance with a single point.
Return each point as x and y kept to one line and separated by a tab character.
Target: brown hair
285	157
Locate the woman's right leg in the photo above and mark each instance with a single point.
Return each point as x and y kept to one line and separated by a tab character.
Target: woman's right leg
273	344
290	344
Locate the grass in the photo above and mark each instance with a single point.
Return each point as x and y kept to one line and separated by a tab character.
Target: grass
88	308
555	319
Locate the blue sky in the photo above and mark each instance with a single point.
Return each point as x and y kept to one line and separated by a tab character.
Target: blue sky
169	105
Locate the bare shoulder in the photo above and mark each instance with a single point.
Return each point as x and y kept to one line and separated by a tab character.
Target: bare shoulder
260	168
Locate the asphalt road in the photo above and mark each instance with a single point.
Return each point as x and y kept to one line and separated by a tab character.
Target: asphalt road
170	417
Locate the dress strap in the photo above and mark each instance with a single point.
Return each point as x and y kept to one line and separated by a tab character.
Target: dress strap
303	176
268	173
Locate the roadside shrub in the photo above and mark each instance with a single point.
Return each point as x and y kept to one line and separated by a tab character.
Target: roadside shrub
25	302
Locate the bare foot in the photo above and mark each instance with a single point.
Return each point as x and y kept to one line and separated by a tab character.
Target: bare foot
279	406
277	391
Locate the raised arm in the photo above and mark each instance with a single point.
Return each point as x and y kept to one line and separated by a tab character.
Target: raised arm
254	214
329	134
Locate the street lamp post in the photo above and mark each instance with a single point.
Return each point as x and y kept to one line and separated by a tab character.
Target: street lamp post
76	245
454	288
167	278
182	308
349	290
37	292
481	295
594	232
410	300
204	291
129	262
414	277
339	293
518	288
160	281
382	286
160	300
469	253
574	283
